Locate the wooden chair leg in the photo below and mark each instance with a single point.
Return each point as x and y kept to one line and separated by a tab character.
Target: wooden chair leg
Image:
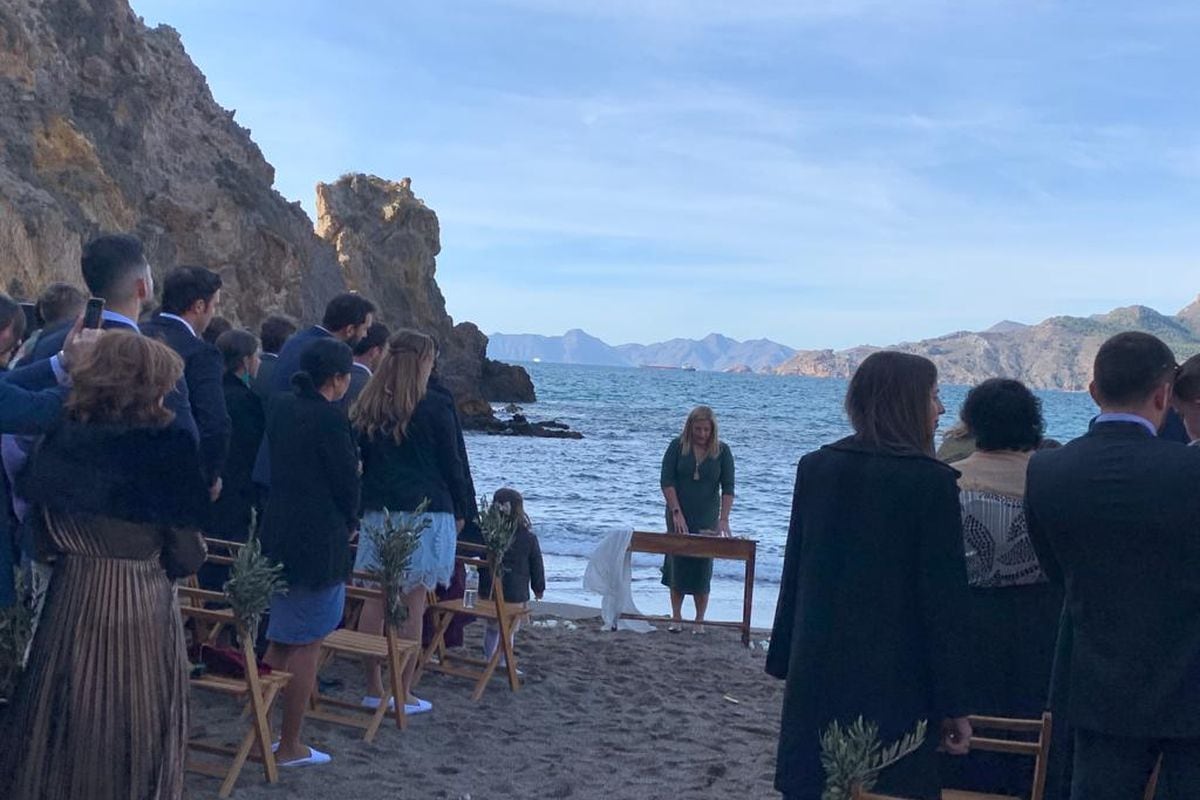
436	646
510	660
398	662
488	670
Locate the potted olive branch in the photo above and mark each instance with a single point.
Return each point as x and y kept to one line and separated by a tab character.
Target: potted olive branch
853	756
253	579
395	541
499	528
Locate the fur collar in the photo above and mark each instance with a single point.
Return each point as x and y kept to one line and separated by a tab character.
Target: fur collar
142	475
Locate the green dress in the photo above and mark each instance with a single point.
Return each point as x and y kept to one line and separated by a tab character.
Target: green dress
700	501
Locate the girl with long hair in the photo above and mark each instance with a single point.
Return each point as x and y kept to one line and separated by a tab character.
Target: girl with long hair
408	439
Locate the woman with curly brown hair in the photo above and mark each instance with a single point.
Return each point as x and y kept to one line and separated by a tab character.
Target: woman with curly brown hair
101	710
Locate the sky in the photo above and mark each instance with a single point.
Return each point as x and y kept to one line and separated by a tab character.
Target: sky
823	173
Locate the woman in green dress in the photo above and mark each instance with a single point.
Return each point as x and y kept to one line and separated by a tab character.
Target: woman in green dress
697	483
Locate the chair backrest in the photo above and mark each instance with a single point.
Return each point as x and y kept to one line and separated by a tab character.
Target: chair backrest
1037	748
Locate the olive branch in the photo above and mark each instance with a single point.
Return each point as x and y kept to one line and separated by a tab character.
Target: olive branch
853	756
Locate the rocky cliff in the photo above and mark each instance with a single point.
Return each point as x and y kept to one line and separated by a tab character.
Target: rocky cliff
387	241
1055	354
107	125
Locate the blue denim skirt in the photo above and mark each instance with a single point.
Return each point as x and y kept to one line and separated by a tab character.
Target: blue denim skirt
432	563
303	616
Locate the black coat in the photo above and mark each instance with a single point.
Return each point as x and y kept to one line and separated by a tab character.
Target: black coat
231	512
359	377
426	464
1115	517
313	505
141	475
471	512
523	569
203	367
871	615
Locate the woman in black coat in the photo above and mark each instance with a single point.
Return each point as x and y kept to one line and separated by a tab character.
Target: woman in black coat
232	513
312	511
871	613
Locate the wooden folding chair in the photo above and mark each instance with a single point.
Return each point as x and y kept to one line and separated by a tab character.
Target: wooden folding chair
260	691
395	652
438	659
1152	785
1038	748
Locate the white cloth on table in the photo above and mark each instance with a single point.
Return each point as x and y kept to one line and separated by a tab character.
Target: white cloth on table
610	574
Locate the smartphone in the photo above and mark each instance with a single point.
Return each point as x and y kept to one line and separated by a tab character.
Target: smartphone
93	315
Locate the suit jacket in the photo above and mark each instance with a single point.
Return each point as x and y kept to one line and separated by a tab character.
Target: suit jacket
52	341
871	618
359	376
313	505
1115	517
279	382
203	368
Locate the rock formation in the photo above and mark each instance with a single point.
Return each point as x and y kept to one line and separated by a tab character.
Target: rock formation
1055	354
387	241
107	125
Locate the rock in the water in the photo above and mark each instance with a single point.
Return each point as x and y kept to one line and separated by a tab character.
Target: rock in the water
387	242
107	125
519	425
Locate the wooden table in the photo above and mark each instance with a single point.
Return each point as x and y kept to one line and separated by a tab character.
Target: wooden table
732	549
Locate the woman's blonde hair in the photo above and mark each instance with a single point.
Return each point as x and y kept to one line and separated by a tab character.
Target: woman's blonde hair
387	402
123	379
701	414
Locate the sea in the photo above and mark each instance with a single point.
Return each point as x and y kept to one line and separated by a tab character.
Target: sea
577	491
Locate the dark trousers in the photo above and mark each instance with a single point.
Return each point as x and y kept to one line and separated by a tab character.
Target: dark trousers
1118	768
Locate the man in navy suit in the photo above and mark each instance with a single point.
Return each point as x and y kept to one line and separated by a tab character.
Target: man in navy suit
115	269
273	334
347	319
189	303
368	352
1115	517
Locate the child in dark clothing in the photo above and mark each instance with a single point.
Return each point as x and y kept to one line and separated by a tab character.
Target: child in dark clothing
523	568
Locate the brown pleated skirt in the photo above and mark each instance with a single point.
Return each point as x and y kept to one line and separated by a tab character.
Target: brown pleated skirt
101	711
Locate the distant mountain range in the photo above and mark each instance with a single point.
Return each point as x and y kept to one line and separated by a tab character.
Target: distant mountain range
1054	354
712	353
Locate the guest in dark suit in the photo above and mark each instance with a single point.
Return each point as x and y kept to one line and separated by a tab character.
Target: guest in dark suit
57	307
871	618
347	319
189	303
1114	517
232	513
274	332
367	353
311	514
115	269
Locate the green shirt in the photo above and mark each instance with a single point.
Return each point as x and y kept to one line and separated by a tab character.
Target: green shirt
699	499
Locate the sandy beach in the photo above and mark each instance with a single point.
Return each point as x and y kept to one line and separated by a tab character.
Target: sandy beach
601	715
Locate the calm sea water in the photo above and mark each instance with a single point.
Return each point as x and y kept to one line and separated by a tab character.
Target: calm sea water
576	491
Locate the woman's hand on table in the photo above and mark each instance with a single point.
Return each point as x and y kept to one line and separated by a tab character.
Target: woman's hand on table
723	529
